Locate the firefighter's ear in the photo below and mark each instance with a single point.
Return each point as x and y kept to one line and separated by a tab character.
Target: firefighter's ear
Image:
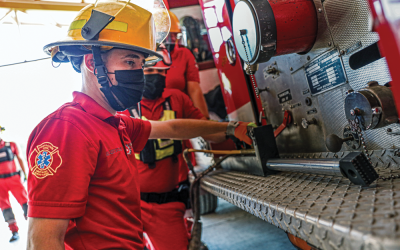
89	62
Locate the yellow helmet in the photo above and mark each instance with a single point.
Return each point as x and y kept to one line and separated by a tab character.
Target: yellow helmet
175	25
117	25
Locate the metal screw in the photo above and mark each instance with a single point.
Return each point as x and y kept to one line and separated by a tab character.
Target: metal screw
86	30
389	130
342	52
308	58
319	10
291	68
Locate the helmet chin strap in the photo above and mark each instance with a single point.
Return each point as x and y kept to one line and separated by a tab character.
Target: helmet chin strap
100	71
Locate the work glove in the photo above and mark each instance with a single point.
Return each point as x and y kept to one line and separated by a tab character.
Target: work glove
240	130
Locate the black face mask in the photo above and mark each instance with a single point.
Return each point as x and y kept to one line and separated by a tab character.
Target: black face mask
129	90
170	47
154	87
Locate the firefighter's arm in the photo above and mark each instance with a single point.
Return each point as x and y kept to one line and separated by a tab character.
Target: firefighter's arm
195	93
46	234
215	138
21	163
182	129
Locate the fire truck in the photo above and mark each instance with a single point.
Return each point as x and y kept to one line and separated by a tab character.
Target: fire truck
321	79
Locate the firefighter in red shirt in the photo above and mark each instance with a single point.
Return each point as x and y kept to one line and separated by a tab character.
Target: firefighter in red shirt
165	197
10	181
184	72
83	184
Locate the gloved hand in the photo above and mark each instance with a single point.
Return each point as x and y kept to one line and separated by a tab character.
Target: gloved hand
240	130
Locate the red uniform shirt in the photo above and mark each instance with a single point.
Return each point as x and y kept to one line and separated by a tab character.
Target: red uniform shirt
83	168
7	167
165	176
183	69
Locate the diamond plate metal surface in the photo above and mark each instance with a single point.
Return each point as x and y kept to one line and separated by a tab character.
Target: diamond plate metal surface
328	212
348	21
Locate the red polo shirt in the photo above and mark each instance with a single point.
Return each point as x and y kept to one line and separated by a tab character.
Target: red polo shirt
167	174
7	167
83	168
183	69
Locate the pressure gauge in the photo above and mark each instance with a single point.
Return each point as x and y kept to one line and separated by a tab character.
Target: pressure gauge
263	29
254	31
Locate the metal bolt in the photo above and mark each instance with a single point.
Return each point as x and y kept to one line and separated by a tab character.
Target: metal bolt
342	52
389	130
86	30
308	57
291	68
319	10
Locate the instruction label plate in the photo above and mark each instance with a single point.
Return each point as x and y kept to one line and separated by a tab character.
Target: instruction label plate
325	72
284	96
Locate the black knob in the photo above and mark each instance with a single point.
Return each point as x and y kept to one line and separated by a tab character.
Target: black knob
334	142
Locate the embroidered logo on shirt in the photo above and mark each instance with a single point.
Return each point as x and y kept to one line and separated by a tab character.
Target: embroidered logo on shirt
128	148
44	160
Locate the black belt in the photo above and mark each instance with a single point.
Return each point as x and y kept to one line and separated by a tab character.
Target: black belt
8	175
180	194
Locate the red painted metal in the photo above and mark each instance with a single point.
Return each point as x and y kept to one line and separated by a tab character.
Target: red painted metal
181	3
386	21
287	119
296	25
234	91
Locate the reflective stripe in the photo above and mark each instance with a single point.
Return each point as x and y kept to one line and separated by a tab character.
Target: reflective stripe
77	24
168	115
165	152
137	156
114	25
163	147
162	143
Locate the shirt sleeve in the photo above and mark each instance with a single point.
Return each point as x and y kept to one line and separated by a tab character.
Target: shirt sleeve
61	162
189	110
14	148
139	132
192	69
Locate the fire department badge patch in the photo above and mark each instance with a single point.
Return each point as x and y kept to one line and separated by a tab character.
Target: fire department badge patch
44	160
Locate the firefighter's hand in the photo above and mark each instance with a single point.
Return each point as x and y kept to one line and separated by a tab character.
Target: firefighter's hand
240	131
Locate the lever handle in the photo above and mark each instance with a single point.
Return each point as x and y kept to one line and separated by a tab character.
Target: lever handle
334	142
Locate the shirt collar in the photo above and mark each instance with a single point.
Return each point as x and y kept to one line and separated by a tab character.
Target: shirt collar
148	103
91	106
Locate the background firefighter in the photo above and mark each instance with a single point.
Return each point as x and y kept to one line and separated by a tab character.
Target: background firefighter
10	181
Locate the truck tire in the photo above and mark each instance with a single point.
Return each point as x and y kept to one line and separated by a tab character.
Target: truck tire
208	202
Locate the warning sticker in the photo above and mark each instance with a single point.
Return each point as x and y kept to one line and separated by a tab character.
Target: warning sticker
325	72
